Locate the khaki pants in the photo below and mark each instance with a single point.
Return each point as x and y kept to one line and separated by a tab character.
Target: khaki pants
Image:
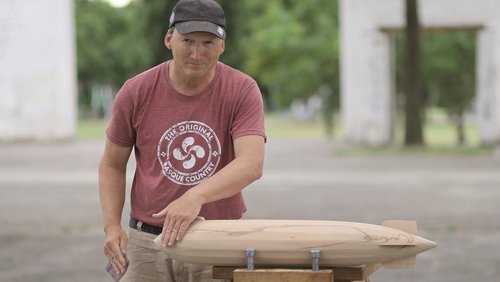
148	263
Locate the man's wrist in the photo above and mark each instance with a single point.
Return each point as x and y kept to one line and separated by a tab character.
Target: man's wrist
109	227
197	196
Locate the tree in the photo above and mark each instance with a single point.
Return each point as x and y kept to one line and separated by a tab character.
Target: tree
110	46
412	77
449	67
291	48
153	21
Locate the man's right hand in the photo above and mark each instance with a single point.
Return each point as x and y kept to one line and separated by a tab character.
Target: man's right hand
115	248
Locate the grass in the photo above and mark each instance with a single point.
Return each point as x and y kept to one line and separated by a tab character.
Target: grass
440	136
278	126
91	129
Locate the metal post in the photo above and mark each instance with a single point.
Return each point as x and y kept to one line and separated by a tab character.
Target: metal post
250	253
315	259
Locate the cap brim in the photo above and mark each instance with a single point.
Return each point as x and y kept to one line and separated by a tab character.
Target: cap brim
200	26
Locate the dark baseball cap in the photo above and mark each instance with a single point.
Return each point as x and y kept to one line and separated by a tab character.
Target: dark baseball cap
199	16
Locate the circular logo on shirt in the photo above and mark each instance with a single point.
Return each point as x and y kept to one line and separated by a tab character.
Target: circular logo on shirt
189	152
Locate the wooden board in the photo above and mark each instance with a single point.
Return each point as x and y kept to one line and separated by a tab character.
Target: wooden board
288	242
281	275
339	273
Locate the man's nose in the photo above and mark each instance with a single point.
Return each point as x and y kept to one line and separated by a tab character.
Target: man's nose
197	51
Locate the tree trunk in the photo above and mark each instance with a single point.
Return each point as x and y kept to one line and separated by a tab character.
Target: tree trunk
413	106
459	122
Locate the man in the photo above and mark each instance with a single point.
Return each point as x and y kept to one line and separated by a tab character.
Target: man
196	128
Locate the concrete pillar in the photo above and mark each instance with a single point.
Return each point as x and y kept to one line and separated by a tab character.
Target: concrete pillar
37	70
488	82
367	92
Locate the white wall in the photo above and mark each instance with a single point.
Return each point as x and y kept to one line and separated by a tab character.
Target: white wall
37	70
366	80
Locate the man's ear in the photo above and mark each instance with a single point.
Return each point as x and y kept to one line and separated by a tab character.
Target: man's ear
223	47
167	40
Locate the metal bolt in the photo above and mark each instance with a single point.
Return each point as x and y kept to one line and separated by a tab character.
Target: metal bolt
250	253
315	259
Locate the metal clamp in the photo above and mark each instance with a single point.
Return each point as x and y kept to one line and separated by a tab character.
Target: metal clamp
250	253
315	259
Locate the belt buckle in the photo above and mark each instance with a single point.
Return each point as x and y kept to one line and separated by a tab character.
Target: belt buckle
139	225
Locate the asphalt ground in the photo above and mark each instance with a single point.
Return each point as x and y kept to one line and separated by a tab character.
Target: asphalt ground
50	222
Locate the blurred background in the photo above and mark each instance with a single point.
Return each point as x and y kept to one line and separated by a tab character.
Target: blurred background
292	49
430	153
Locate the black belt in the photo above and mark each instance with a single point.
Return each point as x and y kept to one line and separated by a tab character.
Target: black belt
144	227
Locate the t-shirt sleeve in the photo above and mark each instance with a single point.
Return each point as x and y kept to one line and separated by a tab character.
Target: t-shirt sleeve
121	129
249	117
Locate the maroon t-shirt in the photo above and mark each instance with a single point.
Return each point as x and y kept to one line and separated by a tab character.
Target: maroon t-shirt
180	140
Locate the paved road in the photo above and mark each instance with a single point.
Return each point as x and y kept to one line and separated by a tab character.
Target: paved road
51	227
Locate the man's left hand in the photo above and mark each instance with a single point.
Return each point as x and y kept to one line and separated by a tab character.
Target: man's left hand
178	216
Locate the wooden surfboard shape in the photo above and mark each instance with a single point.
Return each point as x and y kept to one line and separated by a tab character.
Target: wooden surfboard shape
288	242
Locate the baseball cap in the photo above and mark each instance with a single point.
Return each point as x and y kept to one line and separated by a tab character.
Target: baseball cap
198	15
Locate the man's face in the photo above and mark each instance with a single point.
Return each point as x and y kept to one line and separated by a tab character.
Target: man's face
196	54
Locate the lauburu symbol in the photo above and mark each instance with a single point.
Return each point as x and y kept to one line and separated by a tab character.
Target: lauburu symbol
189	153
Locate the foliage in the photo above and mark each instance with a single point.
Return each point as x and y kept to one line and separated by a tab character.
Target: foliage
110	45
152	17
236	20
448	74
292	47
275	41
449	71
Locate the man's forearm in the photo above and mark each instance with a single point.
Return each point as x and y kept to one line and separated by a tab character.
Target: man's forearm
243	170
112	195
229	180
